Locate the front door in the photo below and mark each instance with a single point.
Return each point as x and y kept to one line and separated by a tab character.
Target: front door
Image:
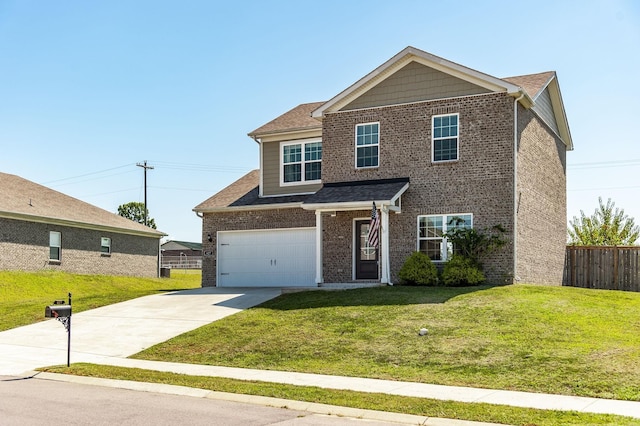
366	256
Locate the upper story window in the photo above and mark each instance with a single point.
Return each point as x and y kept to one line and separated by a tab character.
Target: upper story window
105	245
432	230
301	162
444	139
367	145
55	245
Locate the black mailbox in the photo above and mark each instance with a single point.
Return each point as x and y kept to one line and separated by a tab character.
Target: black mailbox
57	311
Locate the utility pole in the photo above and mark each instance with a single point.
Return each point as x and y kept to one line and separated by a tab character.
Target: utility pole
145	167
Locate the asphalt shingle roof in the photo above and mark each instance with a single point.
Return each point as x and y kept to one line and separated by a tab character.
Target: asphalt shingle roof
344	192
298	118
245	193
531	83
26	200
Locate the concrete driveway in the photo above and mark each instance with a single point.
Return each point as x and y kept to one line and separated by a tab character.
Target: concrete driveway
122	329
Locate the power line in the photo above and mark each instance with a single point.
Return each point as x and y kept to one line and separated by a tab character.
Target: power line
88	174
603	164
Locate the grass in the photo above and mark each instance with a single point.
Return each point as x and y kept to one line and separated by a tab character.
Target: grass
557	340
521	337
371	401
24	295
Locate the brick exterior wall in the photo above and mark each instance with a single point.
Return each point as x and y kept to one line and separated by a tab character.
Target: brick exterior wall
481	182
245	220
542	214
25	246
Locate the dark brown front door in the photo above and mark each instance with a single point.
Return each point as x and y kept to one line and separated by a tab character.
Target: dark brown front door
366	256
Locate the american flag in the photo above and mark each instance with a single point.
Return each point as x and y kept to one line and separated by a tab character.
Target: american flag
374	227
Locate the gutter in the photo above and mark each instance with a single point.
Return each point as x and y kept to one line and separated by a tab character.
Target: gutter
515	184
83	225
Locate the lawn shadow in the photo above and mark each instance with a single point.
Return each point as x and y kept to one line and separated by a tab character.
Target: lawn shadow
376	296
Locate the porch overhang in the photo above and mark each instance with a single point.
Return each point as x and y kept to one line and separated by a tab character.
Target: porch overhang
358	195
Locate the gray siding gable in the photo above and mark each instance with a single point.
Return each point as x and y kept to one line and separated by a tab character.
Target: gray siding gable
414	83
544	109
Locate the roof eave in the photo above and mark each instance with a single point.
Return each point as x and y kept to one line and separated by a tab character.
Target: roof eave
227	209
75	224
257	136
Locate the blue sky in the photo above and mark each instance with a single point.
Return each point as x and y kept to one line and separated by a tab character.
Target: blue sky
90	89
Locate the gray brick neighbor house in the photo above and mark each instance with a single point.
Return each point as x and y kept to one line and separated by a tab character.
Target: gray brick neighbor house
424	138
44	229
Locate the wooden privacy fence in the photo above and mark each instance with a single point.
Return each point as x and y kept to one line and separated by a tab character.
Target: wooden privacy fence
604	267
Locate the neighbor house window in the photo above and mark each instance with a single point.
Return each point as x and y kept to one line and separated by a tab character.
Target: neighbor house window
55	245
432	230
105	245
367	145
301	162
444	139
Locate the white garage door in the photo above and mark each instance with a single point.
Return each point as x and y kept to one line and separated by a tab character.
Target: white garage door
268	258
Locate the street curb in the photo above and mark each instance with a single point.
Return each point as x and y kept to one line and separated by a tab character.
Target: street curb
331	410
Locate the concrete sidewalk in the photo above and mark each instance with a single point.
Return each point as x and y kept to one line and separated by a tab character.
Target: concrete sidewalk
420	390
108	335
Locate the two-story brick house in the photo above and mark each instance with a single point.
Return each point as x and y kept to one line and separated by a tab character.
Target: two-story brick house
428	141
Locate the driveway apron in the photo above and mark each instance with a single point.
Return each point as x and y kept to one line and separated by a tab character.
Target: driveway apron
122	329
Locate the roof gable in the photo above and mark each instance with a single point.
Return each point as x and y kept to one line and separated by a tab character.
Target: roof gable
25	200
403	58
544	89
414	82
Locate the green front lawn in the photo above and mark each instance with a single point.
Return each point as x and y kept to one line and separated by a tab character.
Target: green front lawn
521	337
24	295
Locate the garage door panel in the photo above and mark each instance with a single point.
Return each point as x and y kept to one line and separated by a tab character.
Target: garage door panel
270	258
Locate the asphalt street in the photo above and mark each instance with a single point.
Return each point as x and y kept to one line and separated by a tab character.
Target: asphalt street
33	401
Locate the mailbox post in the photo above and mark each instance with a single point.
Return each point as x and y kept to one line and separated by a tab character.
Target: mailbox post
62	313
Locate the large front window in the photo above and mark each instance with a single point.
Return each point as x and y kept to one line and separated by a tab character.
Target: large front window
301	162
444	140
432	230
367	145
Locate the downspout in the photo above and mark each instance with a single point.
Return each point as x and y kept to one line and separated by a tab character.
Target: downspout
260	185
515	185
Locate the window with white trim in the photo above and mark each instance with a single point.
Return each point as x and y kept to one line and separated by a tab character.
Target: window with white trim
105	245
444	138
432	230
55	245
367	145
301	162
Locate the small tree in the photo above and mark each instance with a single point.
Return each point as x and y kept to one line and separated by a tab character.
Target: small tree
473	244
136	212
606	227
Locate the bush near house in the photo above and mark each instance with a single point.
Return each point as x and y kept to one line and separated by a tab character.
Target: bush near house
461	271
418	270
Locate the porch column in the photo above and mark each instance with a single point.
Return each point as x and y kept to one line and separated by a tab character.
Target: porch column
384	253
319	278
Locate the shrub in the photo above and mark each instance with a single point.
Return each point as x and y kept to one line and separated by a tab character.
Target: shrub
475	244
418	270
461	271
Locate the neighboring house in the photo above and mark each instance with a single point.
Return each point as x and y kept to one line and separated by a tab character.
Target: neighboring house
44	229
429	141
181	254
177	248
